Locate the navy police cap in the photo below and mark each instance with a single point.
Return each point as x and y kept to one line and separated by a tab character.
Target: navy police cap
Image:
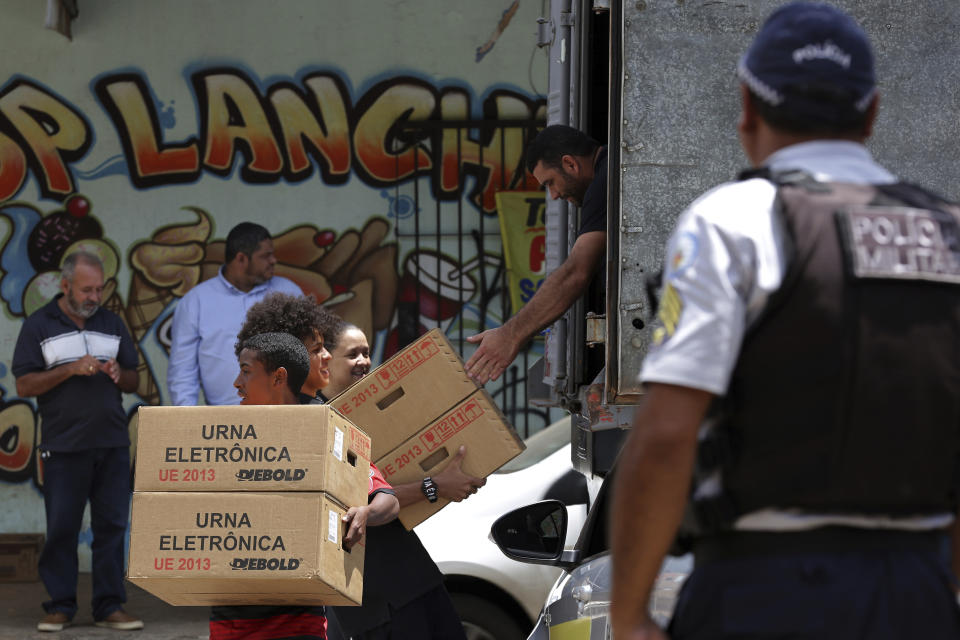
809	45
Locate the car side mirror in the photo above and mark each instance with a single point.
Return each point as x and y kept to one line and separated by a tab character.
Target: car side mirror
535	533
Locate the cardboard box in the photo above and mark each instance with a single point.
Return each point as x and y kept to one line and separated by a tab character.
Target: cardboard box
252	448
475	422
243	548
408	391
19	554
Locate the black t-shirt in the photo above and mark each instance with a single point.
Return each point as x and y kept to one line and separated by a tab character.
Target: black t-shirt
593	213
397	569
303	398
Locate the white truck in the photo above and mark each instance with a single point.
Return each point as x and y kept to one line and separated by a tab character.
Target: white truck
655	79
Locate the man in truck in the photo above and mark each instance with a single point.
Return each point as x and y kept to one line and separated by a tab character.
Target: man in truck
801	398
571	166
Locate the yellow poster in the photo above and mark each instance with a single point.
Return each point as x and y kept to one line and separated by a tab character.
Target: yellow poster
523	230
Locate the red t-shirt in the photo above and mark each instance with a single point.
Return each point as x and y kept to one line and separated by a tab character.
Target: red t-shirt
280	622
378	484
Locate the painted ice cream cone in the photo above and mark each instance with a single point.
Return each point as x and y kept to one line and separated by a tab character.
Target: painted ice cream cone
146	303
147	388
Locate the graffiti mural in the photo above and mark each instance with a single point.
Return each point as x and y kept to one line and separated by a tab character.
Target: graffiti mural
282	132
260	135
18	439
352	273
371	146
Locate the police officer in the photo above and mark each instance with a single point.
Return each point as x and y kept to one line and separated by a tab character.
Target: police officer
803	390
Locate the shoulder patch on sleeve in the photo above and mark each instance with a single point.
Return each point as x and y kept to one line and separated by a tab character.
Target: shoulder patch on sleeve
668	317
684	253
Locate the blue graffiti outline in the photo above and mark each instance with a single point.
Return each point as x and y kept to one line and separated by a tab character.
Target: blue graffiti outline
399	207
150	342
14	258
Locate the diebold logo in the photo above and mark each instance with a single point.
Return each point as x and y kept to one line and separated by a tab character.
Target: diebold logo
264	564
266	475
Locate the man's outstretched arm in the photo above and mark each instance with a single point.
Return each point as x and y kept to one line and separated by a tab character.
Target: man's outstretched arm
650	493
498	347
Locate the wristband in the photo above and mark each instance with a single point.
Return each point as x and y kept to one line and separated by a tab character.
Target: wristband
429	489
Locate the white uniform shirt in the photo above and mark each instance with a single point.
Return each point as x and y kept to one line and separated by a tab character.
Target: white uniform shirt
725	258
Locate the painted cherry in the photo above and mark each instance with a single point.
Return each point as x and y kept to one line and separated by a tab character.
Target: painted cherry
323	238
78	206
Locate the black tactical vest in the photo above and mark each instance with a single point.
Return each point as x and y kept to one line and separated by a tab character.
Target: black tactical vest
846	394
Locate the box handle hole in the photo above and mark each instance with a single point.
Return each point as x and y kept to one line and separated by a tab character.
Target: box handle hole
434	459
389	399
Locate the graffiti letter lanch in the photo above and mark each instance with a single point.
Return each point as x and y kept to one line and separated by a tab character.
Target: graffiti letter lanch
278	133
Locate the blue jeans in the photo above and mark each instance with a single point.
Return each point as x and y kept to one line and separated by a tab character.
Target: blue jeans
70	479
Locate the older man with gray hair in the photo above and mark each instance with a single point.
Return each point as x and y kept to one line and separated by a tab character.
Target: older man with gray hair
76	358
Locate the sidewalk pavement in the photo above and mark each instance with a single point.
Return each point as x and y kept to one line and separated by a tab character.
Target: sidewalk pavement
20	611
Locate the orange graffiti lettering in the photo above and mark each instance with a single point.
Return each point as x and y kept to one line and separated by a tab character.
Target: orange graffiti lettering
13	167
53	132
400	129
383	152
496	156
149	161
235	118
18	439
318	120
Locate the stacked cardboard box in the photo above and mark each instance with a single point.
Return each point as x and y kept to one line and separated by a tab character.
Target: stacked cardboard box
19	553
419	407
244	505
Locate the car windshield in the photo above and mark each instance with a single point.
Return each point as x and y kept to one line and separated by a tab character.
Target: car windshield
540	445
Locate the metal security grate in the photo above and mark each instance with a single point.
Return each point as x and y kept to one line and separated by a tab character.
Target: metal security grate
452	271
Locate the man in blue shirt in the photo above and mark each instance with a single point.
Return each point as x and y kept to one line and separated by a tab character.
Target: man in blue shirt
76	358
207	319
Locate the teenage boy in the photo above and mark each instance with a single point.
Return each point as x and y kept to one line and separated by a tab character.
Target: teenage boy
273	368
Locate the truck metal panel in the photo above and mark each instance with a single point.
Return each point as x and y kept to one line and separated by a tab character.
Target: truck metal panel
675	136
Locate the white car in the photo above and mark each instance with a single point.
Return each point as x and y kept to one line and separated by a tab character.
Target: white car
578	605
498	598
